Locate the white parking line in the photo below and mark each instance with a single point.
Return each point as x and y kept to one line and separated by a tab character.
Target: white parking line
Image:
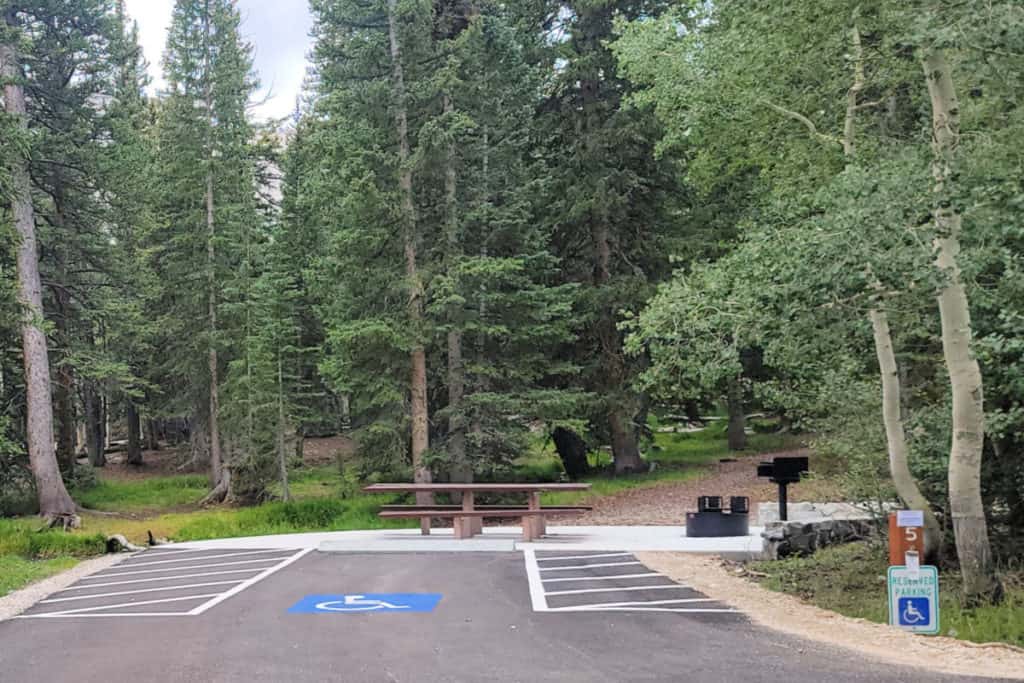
588	566
582	557
539	593
677	610
602	578
602	605
140	590
210	600
248	582
540	604
208	557
153	552
70	612
162	578
198	566
616	590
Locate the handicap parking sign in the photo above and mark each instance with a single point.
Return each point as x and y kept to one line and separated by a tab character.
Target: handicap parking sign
914	598
362	603
914	611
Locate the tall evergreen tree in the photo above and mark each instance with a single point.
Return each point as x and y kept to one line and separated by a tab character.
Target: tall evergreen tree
611	203
440	146
207	210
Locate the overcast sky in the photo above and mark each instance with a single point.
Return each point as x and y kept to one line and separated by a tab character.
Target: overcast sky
277	29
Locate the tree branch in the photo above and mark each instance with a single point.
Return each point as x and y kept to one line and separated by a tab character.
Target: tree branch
811	128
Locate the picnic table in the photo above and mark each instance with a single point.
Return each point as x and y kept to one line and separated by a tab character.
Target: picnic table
468	517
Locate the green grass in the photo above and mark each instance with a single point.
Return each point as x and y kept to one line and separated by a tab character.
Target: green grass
27	554
325	514
313	482
22	537
137	495
17	572
850	580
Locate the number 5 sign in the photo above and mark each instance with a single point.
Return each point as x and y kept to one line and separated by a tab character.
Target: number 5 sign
906	534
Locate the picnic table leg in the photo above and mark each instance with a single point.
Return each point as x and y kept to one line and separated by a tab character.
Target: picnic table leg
470	523
535	523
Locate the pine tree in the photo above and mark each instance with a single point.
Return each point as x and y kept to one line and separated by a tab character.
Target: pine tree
55	505
126	166
495	296
208	207
611	205
440	146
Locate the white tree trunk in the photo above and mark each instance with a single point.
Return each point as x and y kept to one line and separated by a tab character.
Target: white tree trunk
55	505
892	414
899	467
976	565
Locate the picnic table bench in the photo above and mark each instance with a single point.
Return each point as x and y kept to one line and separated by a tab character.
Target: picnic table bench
468	517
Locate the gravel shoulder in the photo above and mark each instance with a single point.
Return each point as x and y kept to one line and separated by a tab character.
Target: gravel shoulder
789	615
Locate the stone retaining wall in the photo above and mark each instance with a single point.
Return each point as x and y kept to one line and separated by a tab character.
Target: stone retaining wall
814	525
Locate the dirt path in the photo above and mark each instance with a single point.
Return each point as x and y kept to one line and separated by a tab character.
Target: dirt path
170	461
667	504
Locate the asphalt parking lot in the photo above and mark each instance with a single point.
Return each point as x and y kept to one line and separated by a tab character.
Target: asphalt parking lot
310	616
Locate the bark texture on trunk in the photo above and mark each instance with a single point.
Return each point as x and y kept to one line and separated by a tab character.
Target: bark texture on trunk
282	455
418	357
460	467
152	436
64	397
736	432
625	441
217	473
980	583
134	456
895	436
94	426
55	504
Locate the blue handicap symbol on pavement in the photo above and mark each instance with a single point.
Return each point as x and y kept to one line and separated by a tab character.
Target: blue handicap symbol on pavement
914	611
359	603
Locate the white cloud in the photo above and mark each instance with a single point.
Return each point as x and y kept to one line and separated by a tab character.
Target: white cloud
277	29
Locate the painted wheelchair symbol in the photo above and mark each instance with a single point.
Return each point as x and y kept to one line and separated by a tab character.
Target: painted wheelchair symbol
357	603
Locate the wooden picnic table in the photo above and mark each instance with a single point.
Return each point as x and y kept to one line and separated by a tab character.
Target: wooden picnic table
469	519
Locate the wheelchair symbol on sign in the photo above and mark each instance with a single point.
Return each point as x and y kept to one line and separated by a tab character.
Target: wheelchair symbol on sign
357	603
911	615
914	611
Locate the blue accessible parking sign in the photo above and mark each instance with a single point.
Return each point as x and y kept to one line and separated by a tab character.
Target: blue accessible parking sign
361	603
914	598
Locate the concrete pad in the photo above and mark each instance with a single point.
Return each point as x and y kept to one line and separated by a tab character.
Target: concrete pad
499	539
644	538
